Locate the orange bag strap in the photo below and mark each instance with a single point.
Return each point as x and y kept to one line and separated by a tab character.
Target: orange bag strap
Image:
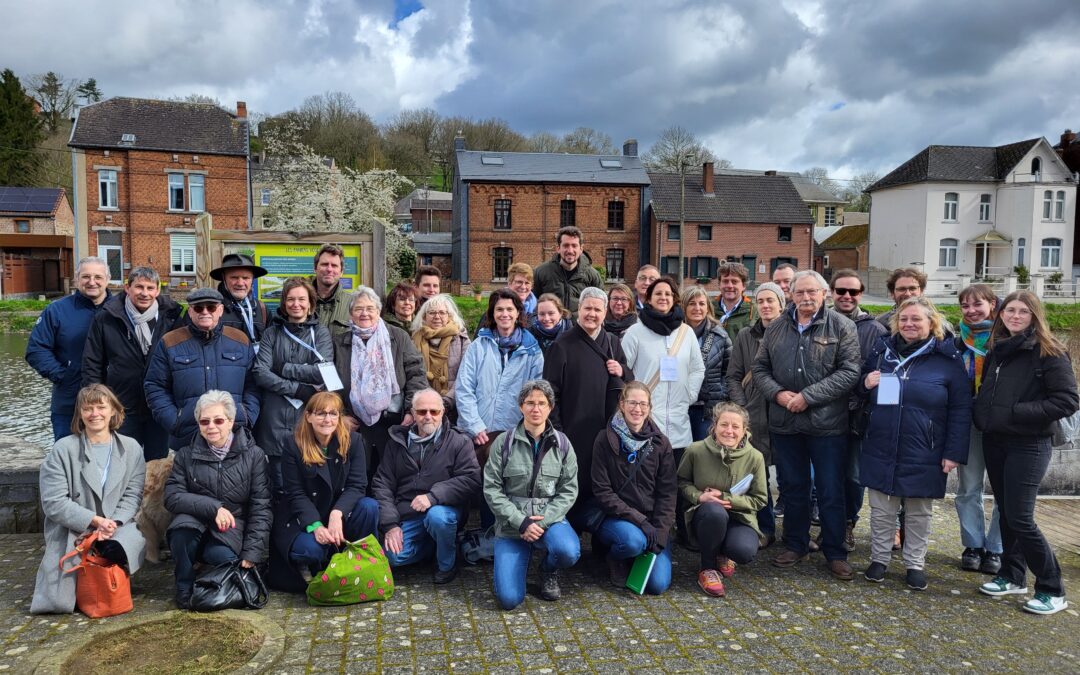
80	549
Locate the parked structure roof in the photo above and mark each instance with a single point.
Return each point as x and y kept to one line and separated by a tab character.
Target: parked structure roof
550	167
753	198
849	236
27	201
962	163
167	126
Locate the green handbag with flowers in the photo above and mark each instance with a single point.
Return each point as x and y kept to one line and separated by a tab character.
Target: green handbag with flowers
358	573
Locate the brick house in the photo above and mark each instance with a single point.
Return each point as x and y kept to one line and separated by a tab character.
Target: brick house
847	248
36	227
754	218
427	216
145	169
508	207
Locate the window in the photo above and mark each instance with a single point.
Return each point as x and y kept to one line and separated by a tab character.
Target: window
110	247
22	227
1036	169
503	257
703	266
266	223
704	232
196	192
264	197
616	215
107	189
830	216
783	233
1021	250
176	192
182	253
952	201
502	214
1059	205
668	264
195	197
674	233
947	253
567	213
984	208
1048	199
1051	253
615	257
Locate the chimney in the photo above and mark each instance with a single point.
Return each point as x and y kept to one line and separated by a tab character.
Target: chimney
459	141
241	110
629	147
1067	138
707	177
770	172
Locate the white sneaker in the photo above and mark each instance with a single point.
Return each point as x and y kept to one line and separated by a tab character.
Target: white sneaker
1044	603
1001	586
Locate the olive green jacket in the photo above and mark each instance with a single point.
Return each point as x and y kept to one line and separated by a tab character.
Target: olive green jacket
706	464
334	313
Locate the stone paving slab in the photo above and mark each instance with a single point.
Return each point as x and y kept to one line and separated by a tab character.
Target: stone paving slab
772	620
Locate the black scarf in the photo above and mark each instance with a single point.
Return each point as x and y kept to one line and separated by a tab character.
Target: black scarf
661	324
546	336
905	348
618	326
1004	346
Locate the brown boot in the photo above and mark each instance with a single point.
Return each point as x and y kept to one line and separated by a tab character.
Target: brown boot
840	569
788	558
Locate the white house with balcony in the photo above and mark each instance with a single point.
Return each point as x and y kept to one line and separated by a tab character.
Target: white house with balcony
976	211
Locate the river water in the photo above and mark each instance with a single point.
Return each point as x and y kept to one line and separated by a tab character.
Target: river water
24	395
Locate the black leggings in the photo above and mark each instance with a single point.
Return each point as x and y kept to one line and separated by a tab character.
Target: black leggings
718	534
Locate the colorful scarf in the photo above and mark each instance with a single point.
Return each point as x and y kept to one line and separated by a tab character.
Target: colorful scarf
374	383
434	345
975	339
629	442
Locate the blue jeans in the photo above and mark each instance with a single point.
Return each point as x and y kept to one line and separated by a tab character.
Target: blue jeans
562	549
969	501
359	523
434	532
794	454
189	546
625	541
153	439
853	489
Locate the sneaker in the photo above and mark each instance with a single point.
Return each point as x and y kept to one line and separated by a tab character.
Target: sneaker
183	599
849	537
726	566
875	573
1002	586
814	546
549	585
765	541
305	574
815	514
971	558
710	582
1044	603
778	509
916	580
446	577
991	563
841	569
898	541
618	571
788	558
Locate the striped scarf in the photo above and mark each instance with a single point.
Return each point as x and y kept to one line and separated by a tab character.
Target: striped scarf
975	338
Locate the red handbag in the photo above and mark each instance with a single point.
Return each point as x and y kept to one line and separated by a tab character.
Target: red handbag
102	588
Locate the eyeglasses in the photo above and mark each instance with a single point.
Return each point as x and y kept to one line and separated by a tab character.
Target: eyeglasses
438	312
616	299
847	291
325	414
424	412
636	404
905	289
807	292
364	310
536	404
207	308
216	421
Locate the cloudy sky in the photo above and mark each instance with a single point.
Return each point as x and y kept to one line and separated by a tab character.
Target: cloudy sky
845	84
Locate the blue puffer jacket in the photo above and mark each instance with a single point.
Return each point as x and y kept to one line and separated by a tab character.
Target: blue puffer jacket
186	364
487	388
904	445
55	349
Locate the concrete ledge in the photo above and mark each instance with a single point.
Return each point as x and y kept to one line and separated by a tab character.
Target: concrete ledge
20	499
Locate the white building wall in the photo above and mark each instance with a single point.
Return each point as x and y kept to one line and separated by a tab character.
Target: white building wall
898	227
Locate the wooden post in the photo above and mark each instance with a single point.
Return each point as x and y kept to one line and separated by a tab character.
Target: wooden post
378	252
204	258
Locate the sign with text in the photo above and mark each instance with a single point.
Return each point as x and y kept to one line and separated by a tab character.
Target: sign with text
297	260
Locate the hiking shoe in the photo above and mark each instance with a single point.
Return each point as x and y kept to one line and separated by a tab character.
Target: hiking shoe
726	566
1044	603
840	569
549	585
183	599
991	563
849	537
916	580
618	571
971	558
441	577
1002	586
788	558
710	582
875	573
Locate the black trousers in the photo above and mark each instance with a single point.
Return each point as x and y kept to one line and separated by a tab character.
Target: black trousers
1016	465
719	534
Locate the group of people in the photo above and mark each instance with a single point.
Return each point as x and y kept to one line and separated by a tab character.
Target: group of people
641	415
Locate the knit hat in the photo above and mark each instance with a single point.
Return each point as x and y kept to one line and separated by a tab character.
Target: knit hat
774	288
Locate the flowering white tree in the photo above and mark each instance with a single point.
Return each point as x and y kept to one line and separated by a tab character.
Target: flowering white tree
310	195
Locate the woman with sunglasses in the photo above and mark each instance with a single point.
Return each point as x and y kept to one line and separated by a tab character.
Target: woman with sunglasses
218	494
634	482
325	473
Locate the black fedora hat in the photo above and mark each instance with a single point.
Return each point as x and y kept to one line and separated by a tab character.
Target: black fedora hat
237	261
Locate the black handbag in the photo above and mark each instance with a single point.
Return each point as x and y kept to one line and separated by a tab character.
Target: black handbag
229	586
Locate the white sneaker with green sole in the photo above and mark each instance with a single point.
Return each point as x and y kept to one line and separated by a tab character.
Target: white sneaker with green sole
1001	586
1044	603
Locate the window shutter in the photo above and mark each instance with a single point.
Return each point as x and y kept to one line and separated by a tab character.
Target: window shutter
714	267
685	267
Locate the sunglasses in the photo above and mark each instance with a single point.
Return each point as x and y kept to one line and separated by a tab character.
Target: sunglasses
207	308
217	421
424	412
847	291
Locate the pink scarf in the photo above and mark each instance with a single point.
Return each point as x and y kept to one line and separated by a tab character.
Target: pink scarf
374	383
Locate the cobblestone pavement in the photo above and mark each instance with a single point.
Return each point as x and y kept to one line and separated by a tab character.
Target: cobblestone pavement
772	620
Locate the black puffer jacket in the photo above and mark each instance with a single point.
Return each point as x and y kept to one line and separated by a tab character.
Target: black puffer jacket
200	484
716	353
1023	392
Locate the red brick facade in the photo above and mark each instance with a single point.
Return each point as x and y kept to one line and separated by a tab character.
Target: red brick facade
535	218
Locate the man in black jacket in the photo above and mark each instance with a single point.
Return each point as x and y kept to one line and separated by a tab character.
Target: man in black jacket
118	347
424	482
243	310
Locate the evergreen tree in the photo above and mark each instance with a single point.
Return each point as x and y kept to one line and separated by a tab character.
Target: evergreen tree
20	133
89	91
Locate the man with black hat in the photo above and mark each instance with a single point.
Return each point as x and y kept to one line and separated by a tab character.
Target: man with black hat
189	361
243	310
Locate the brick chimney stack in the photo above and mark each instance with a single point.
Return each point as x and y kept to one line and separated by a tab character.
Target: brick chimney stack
629	147
770	172
707	177
241	110
1067	138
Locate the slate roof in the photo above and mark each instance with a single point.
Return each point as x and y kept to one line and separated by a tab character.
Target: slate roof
959	163
167	126
550	167
849	236
24	201
737	199
811	192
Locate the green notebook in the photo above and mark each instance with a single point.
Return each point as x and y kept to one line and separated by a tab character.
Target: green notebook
640	572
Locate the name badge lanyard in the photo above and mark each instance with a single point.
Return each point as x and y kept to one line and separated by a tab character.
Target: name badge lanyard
901	363
305	345
247	312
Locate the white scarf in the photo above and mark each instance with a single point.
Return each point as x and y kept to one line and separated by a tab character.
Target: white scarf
141	321
374	382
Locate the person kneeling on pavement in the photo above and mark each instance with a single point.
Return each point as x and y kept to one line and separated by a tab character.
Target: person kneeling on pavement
723	477
423	485
530	483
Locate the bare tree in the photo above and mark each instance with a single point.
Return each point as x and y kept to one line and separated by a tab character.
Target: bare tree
196	97
677	151
56	95
409	141
854	193
586	141
545	141
334	126
820	176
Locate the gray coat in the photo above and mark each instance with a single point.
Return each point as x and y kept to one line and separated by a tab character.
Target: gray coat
71	495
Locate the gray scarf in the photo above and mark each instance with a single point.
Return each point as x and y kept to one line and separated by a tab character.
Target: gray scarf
142	322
